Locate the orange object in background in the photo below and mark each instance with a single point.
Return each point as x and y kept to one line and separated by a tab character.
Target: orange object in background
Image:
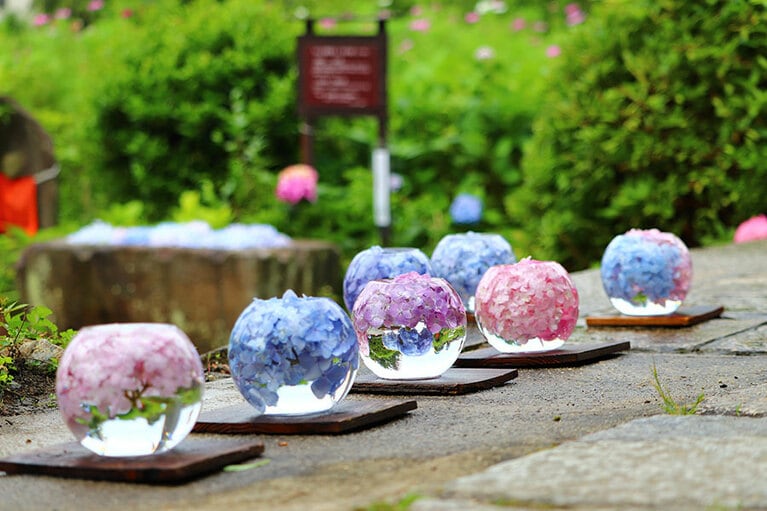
18	203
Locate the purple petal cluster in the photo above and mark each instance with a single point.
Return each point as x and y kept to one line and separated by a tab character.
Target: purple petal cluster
462	259
407	301
290	341
527	300
646	265
377	263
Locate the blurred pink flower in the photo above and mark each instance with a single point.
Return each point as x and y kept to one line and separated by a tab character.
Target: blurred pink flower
574	14
406	45
518	24
95	5
127	13
416	10
40	20
63	13
420	25
553	51
755	228
328	23
297	182
471	17
540	26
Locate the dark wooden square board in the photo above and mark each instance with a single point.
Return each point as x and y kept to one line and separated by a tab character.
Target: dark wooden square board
567	355
192	458
348	415
454	381
683	317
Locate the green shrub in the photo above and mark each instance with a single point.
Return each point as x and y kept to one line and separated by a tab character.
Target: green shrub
657	118
200	86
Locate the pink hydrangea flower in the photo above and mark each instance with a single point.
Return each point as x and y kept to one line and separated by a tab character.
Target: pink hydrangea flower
553	51
574	15
527	300
420	25
755	228
328	23
296	183
109	366
41	19
95	5
63	13
471	17
518	24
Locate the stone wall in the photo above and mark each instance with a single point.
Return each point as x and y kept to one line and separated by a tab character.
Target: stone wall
201	291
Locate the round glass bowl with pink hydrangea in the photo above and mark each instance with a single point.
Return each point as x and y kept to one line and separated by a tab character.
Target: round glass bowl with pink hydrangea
408	327
527	306
130	389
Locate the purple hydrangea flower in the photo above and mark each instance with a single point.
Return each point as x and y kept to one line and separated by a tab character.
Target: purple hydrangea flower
381	263
292	341
643	266
409	301
462	259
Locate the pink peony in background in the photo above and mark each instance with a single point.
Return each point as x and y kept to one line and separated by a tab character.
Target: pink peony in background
755	228
296	183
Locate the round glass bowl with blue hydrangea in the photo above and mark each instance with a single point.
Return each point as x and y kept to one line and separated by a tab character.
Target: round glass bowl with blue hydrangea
376	263
130	389
462	259
293	355
409	327
646	272
527	307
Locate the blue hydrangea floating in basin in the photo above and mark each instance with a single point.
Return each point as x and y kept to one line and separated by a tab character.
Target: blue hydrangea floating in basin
293	355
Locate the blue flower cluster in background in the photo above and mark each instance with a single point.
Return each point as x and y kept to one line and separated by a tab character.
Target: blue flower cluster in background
377	263
196	234
638	269
462	260
466	209
291	341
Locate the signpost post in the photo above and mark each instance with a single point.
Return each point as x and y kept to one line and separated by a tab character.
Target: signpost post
346	76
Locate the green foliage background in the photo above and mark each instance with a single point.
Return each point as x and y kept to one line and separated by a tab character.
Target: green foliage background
657	119
652	116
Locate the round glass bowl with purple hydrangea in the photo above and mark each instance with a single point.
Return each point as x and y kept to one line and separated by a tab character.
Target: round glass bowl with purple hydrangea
293	355
462	259
646	272
409	327
376	263
130	389
526	307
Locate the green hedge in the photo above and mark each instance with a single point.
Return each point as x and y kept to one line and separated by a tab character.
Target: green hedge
656	118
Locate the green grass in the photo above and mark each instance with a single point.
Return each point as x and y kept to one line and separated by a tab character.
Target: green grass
669	405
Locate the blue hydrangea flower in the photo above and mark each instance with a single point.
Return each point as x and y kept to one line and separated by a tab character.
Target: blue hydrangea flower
642	266
462	260
291	341
409	341
466	209
377	263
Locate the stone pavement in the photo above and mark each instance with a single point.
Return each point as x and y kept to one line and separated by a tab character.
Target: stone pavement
574	438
